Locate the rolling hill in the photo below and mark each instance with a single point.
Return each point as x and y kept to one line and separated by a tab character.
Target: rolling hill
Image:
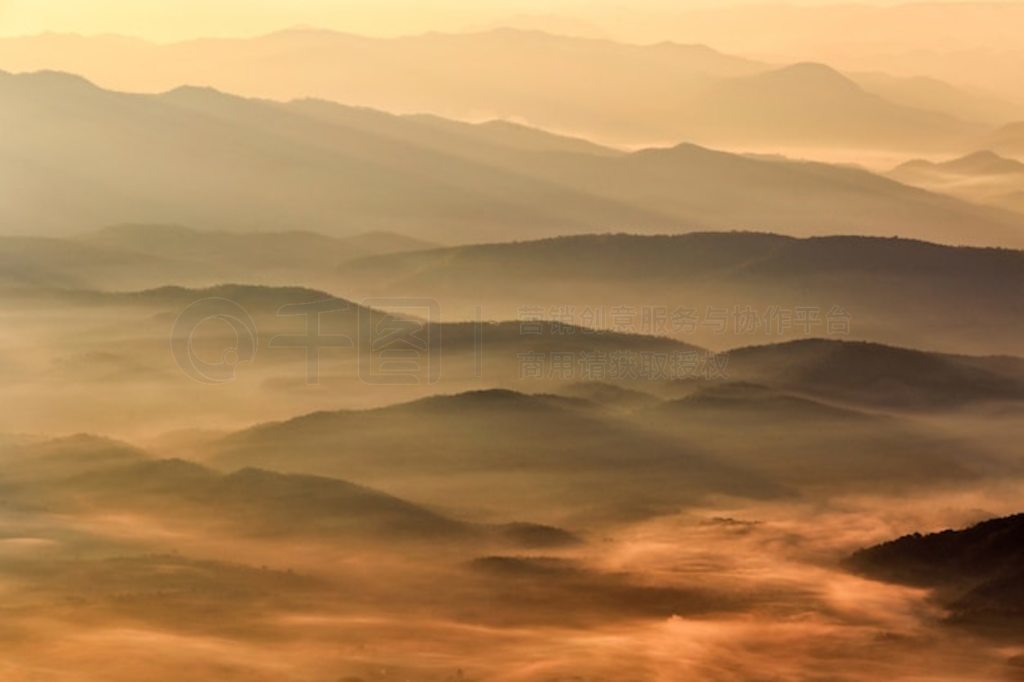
871	374
982	177
923	92
112	161
93	475
250	500
977	572
99	353
552	454
810	444
812	104
894	291
125	257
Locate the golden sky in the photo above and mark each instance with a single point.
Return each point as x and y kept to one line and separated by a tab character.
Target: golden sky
166	20
181	19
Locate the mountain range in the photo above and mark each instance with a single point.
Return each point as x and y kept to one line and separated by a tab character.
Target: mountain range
80	157
971	44
664	450
631	94
882	289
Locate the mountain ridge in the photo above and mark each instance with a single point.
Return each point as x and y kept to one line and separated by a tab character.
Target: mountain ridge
703	104
343	168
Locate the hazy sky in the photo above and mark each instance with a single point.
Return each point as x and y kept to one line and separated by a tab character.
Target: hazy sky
179	19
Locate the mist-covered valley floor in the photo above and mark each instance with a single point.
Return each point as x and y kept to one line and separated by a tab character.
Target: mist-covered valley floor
670	513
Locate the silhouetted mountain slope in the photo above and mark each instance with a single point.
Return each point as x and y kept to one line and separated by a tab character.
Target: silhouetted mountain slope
609	395
136	341
978	571
515	447
478	412
275	309
689	257
278	351
875	375
247	164
809	444
751	402
35	459
713	190
269	308
88	474
46	262
811	104
258	502
983	177
256	300
489	141
141	256
537	536
923	92
892	290
241	164
983	163
986	550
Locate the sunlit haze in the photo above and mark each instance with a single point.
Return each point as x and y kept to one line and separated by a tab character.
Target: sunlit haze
508	341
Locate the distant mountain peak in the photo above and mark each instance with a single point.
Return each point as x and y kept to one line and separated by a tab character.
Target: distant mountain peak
194	89
52	78
810	74
486	398
983	154
982	162
985	161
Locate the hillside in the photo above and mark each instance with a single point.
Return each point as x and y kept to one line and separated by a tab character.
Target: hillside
251	501
806	443
894	291
262	353
875	375
552	452
141	256
976	571
983	177
813	104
